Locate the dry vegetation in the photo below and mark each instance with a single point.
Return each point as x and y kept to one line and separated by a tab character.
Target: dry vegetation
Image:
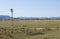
14	32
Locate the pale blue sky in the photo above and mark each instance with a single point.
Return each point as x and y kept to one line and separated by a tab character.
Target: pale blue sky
30	8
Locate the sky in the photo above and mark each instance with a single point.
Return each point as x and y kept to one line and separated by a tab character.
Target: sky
30	8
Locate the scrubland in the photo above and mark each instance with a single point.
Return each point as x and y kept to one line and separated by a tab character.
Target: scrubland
7	31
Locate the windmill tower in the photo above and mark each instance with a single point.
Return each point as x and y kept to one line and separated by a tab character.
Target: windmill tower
11	15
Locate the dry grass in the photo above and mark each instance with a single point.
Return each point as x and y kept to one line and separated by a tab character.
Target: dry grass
13	32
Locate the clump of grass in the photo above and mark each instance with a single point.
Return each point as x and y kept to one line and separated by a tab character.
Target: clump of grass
46	38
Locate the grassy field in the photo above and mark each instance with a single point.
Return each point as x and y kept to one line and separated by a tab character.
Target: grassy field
14	32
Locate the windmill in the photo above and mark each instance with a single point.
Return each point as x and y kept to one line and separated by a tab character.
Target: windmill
12	15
